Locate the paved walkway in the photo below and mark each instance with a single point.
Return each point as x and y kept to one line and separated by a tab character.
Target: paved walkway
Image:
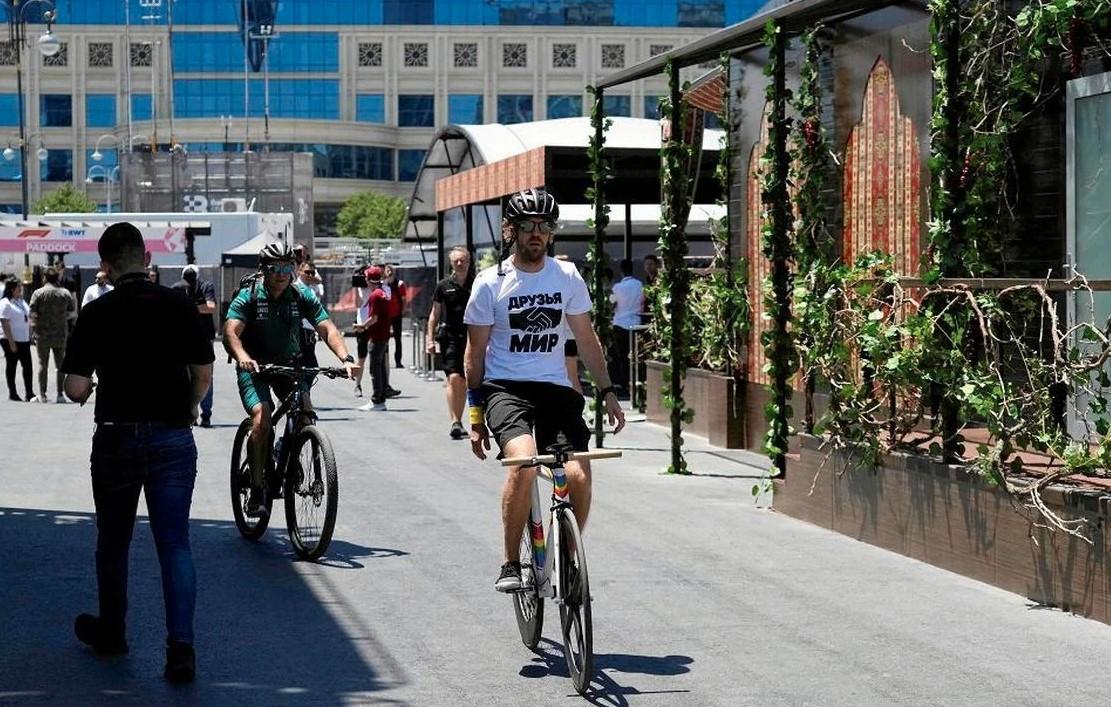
700	598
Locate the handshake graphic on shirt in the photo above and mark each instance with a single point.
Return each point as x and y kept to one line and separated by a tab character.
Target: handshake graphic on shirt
535	319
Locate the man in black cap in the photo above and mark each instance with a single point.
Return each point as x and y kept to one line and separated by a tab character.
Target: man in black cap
153	363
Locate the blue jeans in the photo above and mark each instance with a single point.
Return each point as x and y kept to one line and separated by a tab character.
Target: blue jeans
163	461
206	402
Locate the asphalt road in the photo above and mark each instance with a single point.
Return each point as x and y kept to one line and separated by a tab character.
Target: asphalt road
699	598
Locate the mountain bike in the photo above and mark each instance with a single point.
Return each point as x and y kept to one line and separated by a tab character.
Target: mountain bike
561	574
301	468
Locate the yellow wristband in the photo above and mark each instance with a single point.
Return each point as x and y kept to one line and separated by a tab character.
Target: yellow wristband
478	415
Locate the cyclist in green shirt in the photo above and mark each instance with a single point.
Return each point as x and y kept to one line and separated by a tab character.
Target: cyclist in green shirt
264	326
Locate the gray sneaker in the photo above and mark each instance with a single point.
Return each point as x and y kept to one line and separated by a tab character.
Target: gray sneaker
510	578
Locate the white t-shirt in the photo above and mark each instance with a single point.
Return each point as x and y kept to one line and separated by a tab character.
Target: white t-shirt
19	316
528	314
628	298
93	291
362	297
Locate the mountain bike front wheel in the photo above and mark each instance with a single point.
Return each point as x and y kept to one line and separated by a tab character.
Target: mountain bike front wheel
574	611
528	605
249	528
311	493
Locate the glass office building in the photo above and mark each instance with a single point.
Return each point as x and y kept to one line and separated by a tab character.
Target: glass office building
363	85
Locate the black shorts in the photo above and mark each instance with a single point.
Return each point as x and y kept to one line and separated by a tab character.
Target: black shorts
361	343
552	413
451	354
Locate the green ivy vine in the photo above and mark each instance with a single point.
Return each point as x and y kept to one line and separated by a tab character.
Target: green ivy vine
601	171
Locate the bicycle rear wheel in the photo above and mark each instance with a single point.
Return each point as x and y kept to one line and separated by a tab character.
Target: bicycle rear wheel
250	528
574	612
528	605
311	493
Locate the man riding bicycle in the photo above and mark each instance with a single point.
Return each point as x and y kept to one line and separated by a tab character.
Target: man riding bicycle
264	326
518	317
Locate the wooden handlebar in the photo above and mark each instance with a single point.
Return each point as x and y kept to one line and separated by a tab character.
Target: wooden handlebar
548	459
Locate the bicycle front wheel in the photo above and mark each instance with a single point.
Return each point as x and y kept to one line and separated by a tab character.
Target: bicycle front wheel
311	493
249	528
528	605
574	611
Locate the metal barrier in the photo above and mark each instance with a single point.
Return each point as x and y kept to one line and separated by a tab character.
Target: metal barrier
637	387
424	363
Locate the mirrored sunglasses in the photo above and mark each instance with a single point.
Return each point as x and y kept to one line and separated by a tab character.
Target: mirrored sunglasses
286	269
530	226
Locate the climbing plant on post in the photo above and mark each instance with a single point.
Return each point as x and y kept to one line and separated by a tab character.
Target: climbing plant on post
674	277
600	173
777	247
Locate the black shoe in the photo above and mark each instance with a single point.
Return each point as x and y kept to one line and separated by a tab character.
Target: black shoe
181	662
392	392
104	639
510	578
206	422
15	397
457	431
256	504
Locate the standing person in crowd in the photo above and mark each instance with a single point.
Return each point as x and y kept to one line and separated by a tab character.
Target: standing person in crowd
377	326
152	275
99	288
628	299
651	269
202	293
15	323
447	330
308	279
139	338
388	291
52	308
362	331
398	294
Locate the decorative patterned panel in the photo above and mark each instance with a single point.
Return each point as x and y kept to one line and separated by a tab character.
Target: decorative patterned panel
59	59
140	54
466	54
563	56
882	187
613	56
415	54
370	53
100	54
514	55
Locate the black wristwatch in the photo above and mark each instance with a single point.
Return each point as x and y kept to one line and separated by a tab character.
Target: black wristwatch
349	359
606	391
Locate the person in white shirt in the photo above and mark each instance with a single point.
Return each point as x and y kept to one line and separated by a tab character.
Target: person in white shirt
99	288
518	318
15	325
628	300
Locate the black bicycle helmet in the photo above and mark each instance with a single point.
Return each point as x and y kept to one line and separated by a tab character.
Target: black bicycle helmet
532	202
275	251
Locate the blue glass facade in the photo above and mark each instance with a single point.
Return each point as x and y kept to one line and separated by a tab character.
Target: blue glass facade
223	52
416	110
408	164
9	169
55	110
622	13
141	106
565	106
652	106
619	106
289	98
57	167
329	161
100	110
370	108
465	109
9	109
514	108
108	160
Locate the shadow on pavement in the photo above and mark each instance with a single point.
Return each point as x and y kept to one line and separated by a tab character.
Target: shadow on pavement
604	690
269	630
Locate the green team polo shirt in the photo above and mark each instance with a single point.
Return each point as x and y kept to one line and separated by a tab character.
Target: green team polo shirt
273	333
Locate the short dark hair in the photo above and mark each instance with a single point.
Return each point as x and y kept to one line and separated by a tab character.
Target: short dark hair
121	244
626	267
51	276
652	256
9	287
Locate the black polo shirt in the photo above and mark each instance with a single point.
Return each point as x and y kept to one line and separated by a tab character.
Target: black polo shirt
139	339
453	297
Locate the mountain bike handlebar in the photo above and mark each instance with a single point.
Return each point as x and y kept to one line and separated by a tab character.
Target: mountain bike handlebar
293	371
547	459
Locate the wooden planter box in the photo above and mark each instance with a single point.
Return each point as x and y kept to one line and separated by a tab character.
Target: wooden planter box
712	396
948	516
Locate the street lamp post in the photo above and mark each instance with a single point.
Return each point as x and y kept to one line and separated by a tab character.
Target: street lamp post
108	173
48	46
96	150
265	33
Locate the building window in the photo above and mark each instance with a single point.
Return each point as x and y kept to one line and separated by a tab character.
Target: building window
655	49
100	110
652	107
416	111
514	55
370	108
701	13
613	56
55	110
565	107
7	54
57	167
618	106
514	108
59	59
141	54
312	99
466	55
712	122
465	109
100	55
9	109
141	106
370	53
223	52
108	160
406	12
416	54
563	56
408	164
10	169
